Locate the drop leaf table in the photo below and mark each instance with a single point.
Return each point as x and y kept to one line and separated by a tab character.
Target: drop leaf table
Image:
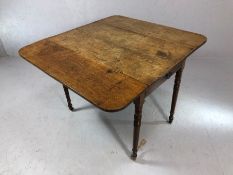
115	61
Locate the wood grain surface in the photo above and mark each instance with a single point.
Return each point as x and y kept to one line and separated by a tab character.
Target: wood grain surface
112	61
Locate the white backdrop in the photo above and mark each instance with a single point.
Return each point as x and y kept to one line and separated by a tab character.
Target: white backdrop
25	21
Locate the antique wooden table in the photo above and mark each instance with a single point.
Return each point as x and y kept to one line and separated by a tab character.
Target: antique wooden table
115	61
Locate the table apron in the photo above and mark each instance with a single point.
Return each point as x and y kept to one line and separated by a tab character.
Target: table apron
156	84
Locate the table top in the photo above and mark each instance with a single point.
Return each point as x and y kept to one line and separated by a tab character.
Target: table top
111	61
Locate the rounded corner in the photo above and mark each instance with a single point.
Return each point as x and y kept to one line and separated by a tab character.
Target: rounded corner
204	38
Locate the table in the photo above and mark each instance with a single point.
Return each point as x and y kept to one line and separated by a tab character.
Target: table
115	61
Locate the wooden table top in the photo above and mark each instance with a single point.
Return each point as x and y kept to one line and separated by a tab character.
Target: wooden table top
111	61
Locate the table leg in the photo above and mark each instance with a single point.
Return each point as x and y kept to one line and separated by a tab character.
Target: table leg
137	123
175	93
68	98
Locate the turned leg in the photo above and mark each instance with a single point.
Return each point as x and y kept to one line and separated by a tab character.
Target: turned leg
175	93
137	123
68	98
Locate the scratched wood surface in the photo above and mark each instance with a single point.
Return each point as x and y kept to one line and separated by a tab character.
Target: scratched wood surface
111	61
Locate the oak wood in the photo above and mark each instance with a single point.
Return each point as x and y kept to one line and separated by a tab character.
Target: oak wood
112	61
